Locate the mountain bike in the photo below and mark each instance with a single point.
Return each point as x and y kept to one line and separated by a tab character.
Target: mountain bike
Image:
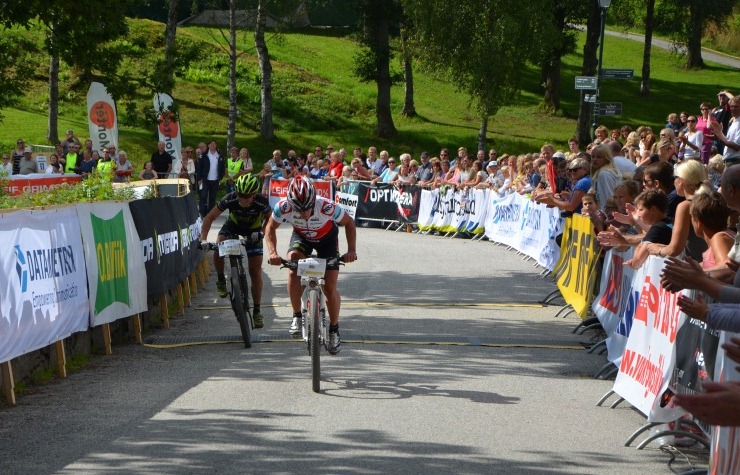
315	329
239	288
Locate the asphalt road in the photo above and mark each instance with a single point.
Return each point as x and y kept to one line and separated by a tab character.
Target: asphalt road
448	366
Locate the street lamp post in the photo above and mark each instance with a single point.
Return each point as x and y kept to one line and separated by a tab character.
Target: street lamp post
603	5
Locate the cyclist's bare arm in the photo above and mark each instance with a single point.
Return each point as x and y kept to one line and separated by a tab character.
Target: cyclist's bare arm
350	232
271	241
208	221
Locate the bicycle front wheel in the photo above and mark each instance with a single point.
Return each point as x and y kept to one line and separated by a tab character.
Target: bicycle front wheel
314	340
237	303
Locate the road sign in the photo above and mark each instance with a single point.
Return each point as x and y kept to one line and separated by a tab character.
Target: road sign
589	98
609	108
618	73
586	82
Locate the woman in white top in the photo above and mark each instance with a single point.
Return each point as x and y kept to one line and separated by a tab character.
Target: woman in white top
692	140
247	164
53	167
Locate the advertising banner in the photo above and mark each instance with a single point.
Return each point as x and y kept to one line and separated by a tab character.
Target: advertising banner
348	202
34	183
279	187
169	129
578	257
377	202
165	241
724	458
189	224
616	283
502	220
650	355
43	298
408	200
102	120
470	210
426	207
115	261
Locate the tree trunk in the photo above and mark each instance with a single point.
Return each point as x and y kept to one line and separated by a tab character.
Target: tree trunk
231	133
409	109
52	132
169	45
266	129
482	131
585	111
649	19
386	128
693	45
550	76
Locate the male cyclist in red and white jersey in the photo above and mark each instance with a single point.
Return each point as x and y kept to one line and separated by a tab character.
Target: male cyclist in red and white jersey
314	220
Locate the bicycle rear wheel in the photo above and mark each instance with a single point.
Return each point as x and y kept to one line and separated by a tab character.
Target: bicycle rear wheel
237	303
314	340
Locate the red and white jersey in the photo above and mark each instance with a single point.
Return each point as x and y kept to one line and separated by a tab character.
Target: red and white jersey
323	219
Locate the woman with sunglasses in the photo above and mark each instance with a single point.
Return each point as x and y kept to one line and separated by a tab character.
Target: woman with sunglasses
691	141
703	126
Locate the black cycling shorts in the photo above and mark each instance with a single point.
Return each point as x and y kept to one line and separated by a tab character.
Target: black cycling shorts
327	248
232	231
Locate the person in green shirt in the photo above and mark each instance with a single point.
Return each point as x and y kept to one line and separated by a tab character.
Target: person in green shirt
72	159
234	169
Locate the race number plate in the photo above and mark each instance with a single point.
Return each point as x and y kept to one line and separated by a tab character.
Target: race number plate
229	247
311	267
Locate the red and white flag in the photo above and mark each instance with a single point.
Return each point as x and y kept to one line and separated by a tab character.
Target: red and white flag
102	120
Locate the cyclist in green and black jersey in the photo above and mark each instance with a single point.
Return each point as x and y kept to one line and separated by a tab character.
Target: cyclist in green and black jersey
248	213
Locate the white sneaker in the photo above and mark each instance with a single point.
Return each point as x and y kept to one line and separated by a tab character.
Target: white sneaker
334	343
296	327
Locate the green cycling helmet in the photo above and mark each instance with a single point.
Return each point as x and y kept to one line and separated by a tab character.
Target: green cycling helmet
248	184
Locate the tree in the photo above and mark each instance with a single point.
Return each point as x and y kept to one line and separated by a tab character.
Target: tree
590	61
13	80
169	46
649	17
564	13
373	62
481	45
267	129
409	109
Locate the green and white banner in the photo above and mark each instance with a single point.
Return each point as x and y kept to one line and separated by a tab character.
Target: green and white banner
115	261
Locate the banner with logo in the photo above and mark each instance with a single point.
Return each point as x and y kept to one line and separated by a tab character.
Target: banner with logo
15	185
427	204
724	458
470	210
43	298
650	354
348	202
377	202
160	242
102	121
407	200
616	282
189	224
115	261
616	341
503	218
168	127
279	187
574	272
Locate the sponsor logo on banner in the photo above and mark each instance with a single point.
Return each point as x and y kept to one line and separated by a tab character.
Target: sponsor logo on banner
111	251
348	202
168	127
279	189
575	277
191	234
101	116
38	271
19	184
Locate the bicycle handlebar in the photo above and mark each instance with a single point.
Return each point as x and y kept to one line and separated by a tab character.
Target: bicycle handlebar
293	265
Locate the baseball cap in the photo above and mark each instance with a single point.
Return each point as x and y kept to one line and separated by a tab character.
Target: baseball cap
493	163
28	150
424	154
558	155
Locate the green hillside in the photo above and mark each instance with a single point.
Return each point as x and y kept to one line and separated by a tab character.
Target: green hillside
318	101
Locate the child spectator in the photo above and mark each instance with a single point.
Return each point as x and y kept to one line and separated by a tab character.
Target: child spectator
709	214
590	208
651	207
148	172
715	167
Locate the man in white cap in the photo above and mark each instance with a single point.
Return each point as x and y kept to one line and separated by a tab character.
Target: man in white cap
69	139
27	164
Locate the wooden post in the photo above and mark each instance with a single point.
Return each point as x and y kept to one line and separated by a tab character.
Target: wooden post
137	327
164	311
207	268
194	282
186	292
106	339
202	275
180	299
61	359
8	383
